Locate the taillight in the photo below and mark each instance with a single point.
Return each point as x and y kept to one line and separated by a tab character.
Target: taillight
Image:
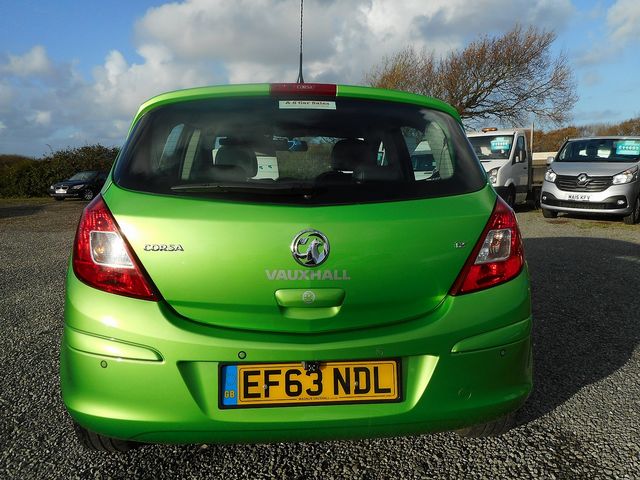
320	89
103	259
497	257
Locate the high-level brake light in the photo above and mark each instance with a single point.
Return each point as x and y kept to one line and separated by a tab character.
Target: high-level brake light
320	89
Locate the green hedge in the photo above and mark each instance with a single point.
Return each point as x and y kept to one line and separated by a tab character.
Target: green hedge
24	177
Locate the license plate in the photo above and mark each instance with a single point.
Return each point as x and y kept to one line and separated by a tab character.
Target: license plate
579	197
60	190
290	384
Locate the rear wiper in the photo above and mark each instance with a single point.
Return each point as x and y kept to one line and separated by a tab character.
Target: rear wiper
260	188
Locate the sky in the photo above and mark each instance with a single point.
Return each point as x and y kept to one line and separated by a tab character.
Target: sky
74	73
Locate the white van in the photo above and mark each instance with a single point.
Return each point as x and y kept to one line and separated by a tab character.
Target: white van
506	157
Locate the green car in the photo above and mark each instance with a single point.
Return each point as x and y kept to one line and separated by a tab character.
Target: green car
264	265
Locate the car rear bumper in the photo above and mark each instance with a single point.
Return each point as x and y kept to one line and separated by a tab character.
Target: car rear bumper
133	369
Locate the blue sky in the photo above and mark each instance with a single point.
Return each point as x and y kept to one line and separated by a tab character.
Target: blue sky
74	72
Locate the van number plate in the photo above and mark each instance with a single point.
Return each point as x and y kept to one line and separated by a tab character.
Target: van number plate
579	197
290	384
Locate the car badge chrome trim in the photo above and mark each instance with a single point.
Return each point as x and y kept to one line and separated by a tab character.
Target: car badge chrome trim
583	178
308	297
297	275
310	248
163	247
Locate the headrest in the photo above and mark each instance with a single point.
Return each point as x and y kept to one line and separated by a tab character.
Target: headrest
349	153
239	157
592	150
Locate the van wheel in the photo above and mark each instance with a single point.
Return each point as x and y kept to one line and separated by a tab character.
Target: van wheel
511	197
549	213
495	428
634	216
87	194
95	441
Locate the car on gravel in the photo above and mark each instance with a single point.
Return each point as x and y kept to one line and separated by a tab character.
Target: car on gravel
84	185
596	175
336	295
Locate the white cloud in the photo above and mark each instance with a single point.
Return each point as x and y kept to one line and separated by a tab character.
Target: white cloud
2	126
34	62
119	87
42	118
623	19
6	95
204	42
257	40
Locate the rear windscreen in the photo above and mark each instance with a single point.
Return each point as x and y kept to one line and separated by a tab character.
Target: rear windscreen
307	151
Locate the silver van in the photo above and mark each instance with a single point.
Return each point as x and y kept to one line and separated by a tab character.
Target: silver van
597	175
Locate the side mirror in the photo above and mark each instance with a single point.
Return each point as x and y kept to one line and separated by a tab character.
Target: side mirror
549	160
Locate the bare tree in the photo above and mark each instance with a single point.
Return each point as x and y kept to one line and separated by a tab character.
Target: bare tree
508	78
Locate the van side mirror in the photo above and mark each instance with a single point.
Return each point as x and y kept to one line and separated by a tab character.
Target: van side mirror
549	160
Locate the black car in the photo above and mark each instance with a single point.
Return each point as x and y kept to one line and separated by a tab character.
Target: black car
83	185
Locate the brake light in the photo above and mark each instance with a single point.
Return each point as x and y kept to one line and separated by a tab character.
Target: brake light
322	89
497	257
103	259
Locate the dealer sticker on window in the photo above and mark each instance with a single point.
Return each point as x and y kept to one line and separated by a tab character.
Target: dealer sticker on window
307	104
500	143
628	147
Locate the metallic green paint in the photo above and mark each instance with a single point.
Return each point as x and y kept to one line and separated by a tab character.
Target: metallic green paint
310	297
230	250
464	359
200	93
176	400
396	96
502	336
107	347
262	89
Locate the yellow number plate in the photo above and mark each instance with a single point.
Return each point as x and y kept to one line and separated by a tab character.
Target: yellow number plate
289	383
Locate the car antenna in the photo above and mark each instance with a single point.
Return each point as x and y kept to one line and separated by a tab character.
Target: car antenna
300	79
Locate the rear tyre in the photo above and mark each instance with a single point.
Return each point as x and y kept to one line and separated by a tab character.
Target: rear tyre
87	194
59	199
634	216
95	441
549	213
490	429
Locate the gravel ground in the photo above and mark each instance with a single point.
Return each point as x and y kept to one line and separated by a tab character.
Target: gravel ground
583	419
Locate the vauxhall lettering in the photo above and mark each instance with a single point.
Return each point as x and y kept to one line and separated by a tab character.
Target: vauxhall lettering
296	275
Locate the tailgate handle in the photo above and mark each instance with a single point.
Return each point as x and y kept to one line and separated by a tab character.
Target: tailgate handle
310	297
